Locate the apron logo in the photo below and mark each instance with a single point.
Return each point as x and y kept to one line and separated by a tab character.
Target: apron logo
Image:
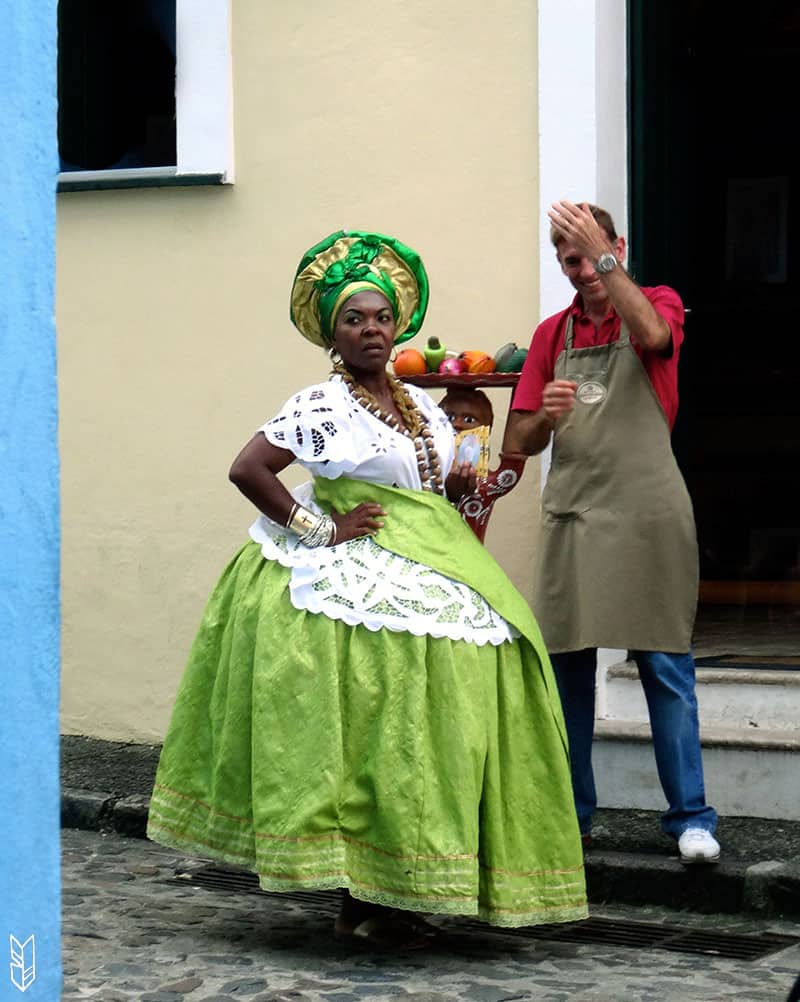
591	392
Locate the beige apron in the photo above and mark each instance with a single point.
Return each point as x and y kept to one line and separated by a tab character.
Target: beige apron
618	551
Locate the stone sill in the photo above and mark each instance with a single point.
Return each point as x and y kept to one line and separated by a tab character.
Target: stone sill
710	737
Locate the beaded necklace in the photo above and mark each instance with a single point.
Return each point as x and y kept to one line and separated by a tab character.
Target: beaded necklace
414	427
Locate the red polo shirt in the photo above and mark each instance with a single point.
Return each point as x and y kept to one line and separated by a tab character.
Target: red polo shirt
548	342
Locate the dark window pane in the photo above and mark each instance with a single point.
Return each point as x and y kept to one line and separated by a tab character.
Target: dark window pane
116	84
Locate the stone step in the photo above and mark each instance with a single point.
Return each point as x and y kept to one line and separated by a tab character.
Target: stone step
748	772
746	699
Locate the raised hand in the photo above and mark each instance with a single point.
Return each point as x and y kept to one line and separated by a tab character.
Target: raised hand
577	226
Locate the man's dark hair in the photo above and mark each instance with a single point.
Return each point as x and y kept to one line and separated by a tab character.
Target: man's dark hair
604	221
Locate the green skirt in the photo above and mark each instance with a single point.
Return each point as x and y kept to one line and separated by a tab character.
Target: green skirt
423	773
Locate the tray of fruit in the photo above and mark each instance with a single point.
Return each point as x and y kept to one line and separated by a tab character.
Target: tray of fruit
436	365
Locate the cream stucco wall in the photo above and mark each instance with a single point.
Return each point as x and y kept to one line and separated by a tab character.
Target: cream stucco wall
174	338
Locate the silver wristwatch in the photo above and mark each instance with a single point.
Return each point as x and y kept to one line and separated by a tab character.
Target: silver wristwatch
605	263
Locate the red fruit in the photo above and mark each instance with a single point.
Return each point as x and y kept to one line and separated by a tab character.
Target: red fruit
453	367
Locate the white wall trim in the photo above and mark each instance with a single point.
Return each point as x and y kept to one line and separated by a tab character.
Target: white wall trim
582	120
611	89
582	140
567	125
204	87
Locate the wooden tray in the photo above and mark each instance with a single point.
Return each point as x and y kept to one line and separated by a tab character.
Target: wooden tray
465	379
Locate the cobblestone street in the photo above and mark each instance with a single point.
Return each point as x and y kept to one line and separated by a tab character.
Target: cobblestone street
132	931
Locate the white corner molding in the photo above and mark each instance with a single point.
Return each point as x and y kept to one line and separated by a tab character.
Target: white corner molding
583	131
583	154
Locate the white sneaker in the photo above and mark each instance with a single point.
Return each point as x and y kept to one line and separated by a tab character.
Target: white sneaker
696	845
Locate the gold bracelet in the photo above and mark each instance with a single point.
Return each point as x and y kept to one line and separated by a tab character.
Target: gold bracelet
302	521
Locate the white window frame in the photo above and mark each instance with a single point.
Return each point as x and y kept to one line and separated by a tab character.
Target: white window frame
203	107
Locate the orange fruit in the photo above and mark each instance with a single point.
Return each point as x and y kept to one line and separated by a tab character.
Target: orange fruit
478	361
410	362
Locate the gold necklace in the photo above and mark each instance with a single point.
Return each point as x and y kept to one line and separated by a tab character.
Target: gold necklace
415	427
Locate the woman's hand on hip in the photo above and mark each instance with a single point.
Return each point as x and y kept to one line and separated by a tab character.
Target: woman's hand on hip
363	520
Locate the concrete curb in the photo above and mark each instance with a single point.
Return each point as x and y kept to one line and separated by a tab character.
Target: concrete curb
767	888
93	811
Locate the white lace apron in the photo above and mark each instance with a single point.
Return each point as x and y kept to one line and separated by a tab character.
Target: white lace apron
360	582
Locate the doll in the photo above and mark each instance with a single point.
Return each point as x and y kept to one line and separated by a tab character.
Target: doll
471	415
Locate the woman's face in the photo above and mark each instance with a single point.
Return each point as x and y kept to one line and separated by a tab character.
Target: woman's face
364	332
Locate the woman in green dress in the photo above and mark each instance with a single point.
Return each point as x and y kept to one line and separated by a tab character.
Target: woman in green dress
368	704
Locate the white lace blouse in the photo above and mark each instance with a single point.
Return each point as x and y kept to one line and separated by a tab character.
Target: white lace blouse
358	581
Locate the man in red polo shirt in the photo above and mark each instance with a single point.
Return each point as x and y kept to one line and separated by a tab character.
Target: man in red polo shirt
618	553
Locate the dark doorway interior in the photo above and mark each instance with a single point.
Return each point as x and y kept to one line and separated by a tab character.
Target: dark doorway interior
714	213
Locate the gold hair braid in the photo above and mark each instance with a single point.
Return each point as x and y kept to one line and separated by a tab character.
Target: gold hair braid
409	411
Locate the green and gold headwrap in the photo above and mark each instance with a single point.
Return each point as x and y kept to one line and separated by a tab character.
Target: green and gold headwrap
351	261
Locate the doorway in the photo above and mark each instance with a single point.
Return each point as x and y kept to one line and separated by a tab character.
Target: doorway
713	213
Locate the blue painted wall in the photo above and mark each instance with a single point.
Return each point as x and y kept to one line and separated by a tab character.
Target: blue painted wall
29	511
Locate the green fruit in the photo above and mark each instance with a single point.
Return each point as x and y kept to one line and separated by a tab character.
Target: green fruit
518	360
503	357
434	353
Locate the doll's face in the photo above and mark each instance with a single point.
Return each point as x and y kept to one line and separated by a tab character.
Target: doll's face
467	410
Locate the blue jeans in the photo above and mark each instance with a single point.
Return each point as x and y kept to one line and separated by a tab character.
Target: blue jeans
668	682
